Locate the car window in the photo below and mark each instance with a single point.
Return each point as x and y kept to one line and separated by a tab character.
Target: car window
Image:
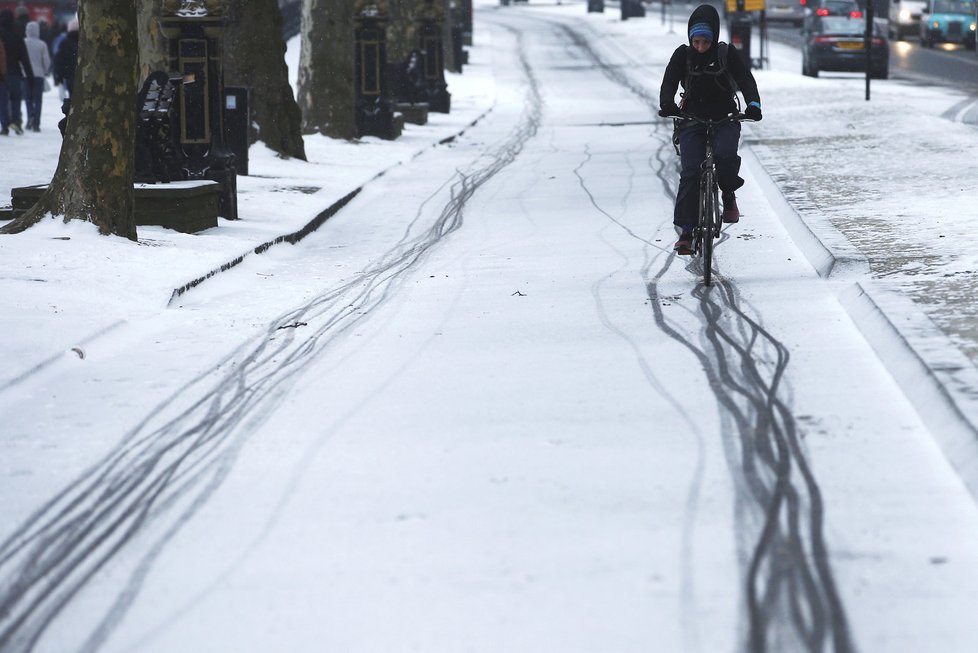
842	25
954	7
840	6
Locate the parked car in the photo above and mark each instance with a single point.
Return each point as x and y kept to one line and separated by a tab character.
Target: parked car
948	21
786	10
818	8
904	18
836	43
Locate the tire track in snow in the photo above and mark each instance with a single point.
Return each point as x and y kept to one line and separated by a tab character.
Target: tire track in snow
126	509
688	571
791	596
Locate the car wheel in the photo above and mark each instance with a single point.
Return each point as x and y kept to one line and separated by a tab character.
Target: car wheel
880	73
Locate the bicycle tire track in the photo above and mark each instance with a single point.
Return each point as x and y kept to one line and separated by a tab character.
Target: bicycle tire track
791	595
139	496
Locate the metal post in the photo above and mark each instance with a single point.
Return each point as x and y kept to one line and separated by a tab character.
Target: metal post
868	44
194	40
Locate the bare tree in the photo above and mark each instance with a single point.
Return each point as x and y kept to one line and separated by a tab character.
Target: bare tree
402	31
93	181
452	16
152	46
326	91
254	56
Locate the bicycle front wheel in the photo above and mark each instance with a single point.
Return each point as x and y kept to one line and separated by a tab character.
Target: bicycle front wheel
709	220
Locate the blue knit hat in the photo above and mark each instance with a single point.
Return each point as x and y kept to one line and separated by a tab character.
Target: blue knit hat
701	29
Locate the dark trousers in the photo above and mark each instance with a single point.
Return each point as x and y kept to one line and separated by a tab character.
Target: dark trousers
4	104
10	109
33	97
692	151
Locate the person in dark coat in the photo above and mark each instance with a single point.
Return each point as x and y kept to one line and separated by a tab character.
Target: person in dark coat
21	17
66	58
18	70
710	82
3	63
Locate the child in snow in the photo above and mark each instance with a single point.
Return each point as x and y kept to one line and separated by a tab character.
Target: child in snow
710	73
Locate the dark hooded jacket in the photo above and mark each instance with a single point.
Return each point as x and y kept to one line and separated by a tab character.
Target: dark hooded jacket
706	95
18	63
66	61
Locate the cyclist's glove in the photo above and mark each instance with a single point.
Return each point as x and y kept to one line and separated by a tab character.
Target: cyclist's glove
670	111
753	111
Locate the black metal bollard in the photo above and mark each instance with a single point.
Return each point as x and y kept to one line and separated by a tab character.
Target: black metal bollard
432	46
740	31
373	106
632	9
195	54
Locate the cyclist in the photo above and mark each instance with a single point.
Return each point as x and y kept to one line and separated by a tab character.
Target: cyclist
710	73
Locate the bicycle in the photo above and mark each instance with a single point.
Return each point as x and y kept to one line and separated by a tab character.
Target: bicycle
708	221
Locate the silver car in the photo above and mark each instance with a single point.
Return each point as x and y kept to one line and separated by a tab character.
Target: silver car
786	10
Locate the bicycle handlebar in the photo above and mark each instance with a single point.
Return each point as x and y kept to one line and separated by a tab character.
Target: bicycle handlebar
709	122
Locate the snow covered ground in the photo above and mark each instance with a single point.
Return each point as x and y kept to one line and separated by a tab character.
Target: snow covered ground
484	407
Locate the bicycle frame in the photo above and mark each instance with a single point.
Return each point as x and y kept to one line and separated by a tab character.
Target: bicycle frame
708	222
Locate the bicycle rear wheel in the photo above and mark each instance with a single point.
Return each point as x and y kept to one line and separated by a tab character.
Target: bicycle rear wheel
708	222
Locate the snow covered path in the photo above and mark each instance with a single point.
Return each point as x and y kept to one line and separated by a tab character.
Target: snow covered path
486	409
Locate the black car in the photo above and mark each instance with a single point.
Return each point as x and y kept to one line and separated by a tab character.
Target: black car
835	43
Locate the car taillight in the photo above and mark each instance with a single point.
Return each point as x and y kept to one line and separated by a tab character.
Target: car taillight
824	39
878	41
822	11
855	14
803	2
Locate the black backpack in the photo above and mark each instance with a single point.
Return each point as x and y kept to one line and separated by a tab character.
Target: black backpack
721	71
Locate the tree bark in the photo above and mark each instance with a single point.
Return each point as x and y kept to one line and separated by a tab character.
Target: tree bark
94	177
326	90
402	31
254	56
152	46
451	15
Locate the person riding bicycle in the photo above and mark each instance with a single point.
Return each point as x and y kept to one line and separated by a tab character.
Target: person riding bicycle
711	72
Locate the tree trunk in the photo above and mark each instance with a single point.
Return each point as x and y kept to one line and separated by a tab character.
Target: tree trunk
152	45
326	90
93	181
254	56
402	31
451	16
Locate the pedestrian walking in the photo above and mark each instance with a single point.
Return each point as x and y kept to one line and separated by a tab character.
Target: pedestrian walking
66	59
18	70
40	57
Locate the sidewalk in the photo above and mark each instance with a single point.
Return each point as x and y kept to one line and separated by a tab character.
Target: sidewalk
59	296
886	216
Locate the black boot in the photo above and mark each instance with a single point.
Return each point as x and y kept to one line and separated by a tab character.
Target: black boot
731	213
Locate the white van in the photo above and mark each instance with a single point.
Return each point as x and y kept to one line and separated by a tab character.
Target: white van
905	18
